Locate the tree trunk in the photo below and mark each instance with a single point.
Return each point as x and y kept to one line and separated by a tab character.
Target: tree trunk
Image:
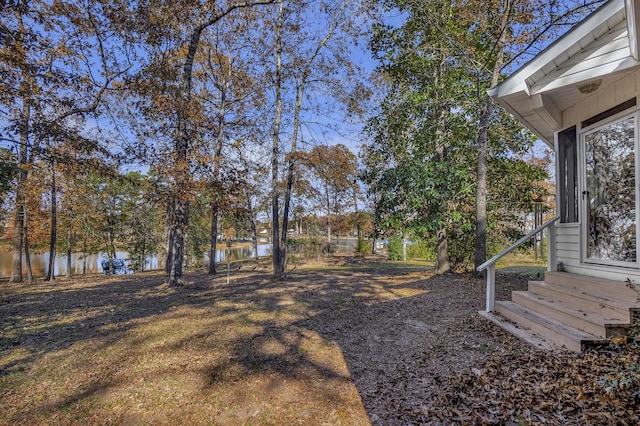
69	247
480	254
180	221
177	247
442	262
374	235
18	236
112	243
180	213
214	241
290	171
326	191
442	154
54	226
143	260
215	201
20	213
373	242
182	172
252	224
486	105
355	207
404	249
277	253
27	254
84	256
185	251
300	90
169	240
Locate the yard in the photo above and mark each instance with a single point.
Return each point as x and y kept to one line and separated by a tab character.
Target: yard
348	342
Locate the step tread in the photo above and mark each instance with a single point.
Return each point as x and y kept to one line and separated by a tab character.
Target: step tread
597	280
610	318
614	303
621	287
527	335
554	326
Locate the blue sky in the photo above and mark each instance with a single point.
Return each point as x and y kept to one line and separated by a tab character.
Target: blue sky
331	128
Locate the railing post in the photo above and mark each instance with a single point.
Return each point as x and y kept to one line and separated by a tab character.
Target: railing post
552	260
490	265
491	288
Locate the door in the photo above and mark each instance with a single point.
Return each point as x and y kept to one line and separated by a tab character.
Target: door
610	200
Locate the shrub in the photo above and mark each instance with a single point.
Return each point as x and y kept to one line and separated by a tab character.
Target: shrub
395	248
362	246
421	250
300	249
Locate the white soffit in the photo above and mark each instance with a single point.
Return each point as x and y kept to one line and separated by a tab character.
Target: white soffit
604	44
633	11
604	55
559	51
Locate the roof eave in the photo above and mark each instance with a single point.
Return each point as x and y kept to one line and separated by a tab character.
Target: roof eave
633	20
547	139
516	81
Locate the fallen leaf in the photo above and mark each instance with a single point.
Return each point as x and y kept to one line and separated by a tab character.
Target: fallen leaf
619	340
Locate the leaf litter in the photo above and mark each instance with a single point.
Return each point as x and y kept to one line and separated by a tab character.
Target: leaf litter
352	341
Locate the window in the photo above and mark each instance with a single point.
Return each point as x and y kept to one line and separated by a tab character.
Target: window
567	175
611	209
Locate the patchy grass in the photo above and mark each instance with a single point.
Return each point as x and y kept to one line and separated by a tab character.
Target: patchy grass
350	342
130	349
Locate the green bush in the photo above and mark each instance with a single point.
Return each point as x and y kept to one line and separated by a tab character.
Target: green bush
299	249
362	246
395	248
421	250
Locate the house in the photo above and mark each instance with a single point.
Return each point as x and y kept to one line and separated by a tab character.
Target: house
581	95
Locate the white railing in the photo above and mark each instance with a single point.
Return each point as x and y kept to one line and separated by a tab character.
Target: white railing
490	265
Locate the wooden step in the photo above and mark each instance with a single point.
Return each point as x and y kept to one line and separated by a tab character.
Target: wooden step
598	287
525	334
574	310
563	335
588	301
603	321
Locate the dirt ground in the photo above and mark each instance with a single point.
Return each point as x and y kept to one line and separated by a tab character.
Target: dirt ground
351	342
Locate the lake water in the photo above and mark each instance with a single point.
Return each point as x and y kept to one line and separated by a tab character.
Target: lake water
40	261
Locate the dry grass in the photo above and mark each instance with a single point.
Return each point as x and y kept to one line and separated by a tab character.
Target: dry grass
351	342
131	350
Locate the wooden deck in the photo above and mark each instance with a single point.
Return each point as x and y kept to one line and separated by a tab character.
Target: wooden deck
569	310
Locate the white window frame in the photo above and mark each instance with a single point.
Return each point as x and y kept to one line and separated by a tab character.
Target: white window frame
582	186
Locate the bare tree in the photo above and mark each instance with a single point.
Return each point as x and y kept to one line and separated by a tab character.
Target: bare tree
57	66
311	57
